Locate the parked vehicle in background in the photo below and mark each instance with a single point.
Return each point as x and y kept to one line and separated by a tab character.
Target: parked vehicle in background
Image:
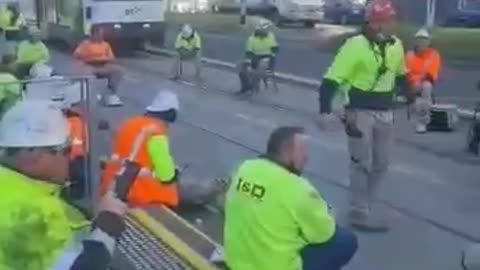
127	23
463	18
345	11
280	12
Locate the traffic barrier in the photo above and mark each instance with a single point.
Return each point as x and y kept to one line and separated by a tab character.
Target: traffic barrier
157	238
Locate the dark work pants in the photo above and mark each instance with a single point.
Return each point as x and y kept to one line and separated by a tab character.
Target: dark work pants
332	255
245	81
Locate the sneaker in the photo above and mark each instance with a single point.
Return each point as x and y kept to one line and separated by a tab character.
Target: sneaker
420	128
112	100
366	221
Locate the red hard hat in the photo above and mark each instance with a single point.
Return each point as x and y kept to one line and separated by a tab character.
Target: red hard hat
379	11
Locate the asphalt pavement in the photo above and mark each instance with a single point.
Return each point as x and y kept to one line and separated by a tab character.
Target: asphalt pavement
432	199
301	57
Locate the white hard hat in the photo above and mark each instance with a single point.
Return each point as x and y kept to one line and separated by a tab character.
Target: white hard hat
263	24
164	100
41	70
33	123
423	33
187	30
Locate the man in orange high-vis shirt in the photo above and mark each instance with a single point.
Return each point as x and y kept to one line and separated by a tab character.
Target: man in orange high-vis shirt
423	66
97	53
144	137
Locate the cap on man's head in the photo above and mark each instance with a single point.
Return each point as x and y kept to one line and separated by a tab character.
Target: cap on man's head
33	123
165	100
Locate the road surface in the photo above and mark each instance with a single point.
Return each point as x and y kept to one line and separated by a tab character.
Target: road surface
432	200
299	56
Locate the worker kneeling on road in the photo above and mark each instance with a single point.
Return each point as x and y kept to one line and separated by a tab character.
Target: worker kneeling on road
369	64
30	52
423	66
145	138
38	230
188	46
275	219
260	45
97	53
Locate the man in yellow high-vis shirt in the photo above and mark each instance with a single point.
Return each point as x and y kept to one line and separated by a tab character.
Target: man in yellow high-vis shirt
188	46
275	219
369	64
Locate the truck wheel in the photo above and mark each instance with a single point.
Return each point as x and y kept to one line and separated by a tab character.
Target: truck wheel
276	18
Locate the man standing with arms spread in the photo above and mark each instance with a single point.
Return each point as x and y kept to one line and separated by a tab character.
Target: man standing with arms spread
370	64
274	217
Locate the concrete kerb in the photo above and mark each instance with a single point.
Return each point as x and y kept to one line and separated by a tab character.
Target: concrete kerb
463	113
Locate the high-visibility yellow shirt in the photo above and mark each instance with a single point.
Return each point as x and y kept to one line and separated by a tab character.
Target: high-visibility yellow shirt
6	21
261	45
270	215
189	44
358	61
9	86
32	53
34	226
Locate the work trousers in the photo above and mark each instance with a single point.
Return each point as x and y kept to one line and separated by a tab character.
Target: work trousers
182	57
246	82
111	72
370	141
332	255
423	103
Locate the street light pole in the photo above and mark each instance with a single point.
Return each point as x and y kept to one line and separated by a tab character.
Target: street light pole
243	12
430	16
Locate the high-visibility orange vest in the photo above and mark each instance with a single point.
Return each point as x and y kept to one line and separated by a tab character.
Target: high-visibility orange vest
419	65
78	145
146	188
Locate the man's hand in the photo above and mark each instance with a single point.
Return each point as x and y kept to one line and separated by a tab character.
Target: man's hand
326	121
110	203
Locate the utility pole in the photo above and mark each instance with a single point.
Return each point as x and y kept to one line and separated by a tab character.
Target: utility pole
243	12
430	16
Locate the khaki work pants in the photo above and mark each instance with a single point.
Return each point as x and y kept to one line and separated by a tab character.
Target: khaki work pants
180	58
111	72
370	141
423	103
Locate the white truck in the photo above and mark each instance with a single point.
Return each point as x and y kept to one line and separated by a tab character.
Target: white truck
307	12
127	23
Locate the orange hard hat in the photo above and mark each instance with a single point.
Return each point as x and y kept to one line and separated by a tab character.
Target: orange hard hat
379	11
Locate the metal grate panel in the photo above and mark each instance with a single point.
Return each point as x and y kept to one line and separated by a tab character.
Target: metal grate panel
143	251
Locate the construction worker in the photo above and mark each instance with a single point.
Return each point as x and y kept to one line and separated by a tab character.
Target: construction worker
10	88
368	65
145	139
40	231
30	52
423	66
188	46
260	45
275	219
13	23
98	55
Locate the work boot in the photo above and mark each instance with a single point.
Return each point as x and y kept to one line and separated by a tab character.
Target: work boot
367	221
420	128
175	78
112	100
